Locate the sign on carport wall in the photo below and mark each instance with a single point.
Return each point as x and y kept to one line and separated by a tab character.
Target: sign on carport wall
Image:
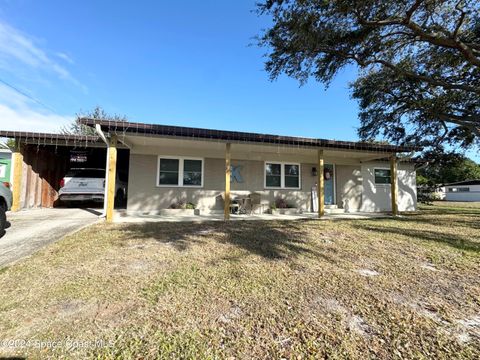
5	165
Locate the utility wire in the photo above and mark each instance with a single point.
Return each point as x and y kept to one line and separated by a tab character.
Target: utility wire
27	95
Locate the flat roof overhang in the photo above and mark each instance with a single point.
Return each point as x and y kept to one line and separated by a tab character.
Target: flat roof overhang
51	139
125	128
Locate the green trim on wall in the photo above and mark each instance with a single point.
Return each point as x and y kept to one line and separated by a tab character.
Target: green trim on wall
5	169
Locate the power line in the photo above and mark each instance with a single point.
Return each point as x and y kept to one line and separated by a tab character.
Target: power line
27	95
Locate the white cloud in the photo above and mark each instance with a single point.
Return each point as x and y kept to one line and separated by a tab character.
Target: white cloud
30	120
19	113
18	47
65	57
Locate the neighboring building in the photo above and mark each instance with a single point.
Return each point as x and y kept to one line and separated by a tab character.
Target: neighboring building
5	165
171	164
468	190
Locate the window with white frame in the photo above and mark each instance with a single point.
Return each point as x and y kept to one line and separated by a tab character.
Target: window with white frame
459	189
178	171
280	175
382	176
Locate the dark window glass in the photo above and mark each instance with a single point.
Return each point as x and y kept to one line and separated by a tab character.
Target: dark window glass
169	165
463	189
86	173
273	175
291	182
168	172
382	176
292	176
273	181
192	173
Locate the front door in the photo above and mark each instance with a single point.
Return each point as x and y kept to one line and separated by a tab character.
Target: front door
328	176
329	187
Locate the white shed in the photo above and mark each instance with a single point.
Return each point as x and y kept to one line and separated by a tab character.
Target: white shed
468	190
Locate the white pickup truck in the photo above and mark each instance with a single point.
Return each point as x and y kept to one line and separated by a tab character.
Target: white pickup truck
87	184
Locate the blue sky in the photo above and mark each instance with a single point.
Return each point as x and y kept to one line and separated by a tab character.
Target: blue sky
184	63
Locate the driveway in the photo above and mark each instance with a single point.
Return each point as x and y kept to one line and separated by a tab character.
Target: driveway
30	230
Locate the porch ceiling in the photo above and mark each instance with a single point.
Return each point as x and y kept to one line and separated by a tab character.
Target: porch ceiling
248	151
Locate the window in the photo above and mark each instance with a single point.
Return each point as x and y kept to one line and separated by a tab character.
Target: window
180	172
292	176
273	175
462	189
282	175
192	172
169	170
382	176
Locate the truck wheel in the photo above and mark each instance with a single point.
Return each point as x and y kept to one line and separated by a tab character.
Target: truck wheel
3	220
119	198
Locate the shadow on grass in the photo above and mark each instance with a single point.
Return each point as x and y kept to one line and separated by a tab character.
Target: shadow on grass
443	214
449	210
469	220
269	239
456	241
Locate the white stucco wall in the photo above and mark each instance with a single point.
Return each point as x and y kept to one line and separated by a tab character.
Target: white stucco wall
354	185
349	187
470	196
144	196
377	197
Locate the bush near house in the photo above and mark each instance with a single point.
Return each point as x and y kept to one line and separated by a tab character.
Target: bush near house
182	205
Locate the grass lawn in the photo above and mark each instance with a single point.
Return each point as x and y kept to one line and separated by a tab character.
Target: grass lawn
379	288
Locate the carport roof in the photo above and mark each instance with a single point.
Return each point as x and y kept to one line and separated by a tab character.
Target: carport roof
133	128
50	138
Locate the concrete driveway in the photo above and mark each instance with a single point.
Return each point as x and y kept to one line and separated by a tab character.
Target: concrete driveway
31	230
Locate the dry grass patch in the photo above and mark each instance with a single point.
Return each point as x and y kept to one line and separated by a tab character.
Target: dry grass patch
388	288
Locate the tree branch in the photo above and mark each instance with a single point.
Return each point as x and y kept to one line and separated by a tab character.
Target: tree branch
424	78
471	122
452	43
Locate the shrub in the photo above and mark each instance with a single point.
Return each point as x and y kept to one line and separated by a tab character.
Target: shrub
281	203
182	205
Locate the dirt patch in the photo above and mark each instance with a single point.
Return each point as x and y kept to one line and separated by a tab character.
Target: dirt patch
367	272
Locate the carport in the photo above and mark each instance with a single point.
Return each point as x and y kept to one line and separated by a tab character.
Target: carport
41	160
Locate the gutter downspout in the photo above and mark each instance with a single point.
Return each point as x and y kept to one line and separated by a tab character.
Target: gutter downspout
100	133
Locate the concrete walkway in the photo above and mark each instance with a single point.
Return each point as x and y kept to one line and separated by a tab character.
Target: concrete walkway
30	230
122	217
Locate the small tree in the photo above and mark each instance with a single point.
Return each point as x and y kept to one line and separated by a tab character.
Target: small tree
97	113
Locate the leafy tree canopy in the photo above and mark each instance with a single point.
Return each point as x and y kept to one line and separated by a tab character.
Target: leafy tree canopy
418	62
97	113
448	168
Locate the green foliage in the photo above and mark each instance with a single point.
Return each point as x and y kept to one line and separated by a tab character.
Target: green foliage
190	206
182	205
10	143
418	62
448	168
97	113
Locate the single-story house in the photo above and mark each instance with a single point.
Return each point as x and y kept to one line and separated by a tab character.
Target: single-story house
468	190
209	168
170	164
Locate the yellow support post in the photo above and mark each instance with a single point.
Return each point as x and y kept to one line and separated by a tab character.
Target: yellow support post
394	184
112	171
227	182
17	158
320	185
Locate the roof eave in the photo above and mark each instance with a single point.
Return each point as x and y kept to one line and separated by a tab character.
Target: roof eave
131	128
